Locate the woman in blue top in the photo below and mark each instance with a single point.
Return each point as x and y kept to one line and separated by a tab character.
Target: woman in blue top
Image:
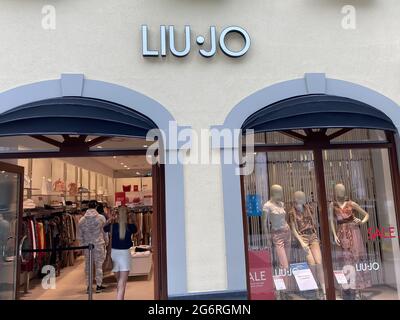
121	242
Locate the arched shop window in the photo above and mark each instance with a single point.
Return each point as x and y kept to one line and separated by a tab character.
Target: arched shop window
321	207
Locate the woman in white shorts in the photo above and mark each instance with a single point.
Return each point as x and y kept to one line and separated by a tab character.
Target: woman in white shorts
121	242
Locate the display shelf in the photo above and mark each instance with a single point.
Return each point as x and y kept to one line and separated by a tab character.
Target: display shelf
42	211
48	195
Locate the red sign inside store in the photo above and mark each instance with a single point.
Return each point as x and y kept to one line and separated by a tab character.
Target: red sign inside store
120	198
260	273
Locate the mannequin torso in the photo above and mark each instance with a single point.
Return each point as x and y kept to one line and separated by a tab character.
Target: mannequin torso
277	214
343	211
303	218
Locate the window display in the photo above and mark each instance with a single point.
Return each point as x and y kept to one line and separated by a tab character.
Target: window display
288	231
304	228
329	224
360	195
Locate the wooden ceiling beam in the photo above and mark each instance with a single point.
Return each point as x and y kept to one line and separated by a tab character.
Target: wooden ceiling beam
97	141
47	140
339	133
294	134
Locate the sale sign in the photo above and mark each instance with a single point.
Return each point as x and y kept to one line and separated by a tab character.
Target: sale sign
260	273
120	198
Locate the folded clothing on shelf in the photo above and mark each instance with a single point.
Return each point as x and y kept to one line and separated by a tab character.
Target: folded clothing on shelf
29	204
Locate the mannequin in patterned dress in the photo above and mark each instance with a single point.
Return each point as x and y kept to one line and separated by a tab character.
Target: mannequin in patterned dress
345	227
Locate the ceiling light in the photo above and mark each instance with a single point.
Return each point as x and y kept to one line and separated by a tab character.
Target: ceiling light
137	172
125	166
114	157
145	145
122	163
99	147
129	168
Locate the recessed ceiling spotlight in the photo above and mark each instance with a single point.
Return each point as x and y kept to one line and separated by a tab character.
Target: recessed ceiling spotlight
122	163
129	168
114	157
145	145
137	172
125	166
99	147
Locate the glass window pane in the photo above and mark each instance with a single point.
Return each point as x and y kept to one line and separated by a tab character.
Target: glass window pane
275	138
120	143
360	136
283	227
365	246
9	211
24	144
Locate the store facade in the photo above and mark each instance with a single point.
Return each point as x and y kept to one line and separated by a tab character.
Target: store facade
212	238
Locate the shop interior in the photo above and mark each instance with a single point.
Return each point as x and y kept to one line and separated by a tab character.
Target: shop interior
56	195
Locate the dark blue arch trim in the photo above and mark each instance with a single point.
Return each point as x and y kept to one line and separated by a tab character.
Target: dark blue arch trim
318	111
74	115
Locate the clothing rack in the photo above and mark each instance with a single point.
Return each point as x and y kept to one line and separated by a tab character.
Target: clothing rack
48	229
142	216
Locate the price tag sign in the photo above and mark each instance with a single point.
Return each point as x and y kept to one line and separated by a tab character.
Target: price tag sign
279	283
340	277
304	277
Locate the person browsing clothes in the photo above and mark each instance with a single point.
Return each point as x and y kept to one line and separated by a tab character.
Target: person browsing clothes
121	241
90	231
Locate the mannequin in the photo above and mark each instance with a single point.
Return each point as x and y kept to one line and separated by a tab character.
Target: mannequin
304	228
347	235
280	231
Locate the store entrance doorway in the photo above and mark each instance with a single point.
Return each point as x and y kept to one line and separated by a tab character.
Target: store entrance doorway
309	208
83	129
104	175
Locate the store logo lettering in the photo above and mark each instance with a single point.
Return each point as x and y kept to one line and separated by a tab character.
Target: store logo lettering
169	33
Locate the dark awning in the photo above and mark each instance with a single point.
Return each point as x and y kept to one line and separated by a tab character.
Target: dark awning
74	115
318	111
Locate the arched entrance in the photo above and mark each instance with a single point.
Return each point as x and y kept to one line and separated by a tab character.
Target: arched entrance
84	113
266	111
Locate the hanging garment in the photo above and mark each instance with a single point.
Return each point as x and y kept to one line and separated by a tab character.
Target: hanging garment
59	186
27	181
28	259
44	190
126	188
72	189
40	243
32	229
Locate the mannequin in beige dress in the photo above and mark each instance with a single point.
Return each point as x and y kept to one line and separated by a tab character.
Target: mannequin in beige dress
280	231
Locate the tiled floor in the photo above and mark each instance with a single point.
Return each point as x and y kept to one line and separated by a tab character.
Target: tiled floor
70	285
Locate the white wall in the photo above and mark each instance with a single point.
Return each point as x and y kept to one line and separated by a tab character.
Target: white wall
289	38
54	169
